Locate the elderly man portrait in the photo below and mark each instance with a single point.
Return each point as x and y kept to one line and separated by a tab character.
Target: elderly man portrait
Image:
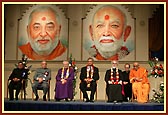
43	32
109	31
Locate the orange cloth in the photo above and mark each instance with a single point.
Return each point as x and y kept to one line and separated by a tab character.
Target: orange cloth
28	51
140	89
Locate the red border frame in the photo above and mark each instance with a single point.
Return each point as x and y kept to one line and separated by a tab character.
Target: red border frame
72	1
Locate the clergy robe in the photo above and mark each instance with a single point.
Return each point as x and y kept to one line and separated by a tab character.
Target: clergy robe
140	88
64	91
114	91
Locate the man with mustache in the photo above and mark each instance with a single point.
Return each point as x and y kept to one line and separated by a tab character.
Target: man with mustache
43	32
108	32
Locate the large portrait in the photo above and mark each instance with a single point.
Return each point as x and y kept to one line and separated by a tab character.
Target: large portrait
43	33
108	33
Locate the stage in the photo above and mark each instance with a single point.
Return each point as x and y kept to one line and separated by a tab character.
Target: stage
77	105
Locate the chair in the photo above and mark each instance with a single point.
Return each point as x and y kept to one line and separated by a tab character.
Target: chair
40	88
22	91
89	89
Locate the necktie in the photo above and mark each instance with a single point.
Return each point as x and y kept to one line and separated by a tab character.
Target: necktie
89	71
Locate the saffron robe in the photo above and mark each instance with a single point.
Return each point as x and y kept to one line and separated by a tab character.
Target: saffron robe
63	91
140	88
28	51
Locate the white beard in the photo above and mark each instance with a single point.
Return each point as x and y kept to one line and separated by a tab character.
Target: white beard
108	50
43	49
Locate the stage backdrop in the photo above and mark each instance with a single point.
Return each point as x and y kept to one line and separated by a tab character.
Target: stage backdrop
89	44
24	39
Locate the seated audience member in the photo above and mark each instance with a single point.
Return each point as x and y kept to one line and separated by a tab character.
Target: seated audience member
88	76
41	78
126	83
140	83
64	83
113	79
16	77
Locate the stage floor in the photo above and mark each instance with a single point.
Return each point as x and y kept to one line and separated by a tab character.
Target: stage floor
77	105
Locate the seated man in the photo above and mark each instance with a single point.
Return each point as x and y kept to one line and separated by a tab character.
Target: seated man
41	78
88	76
140	83
64	83
16	77
113	79
126	83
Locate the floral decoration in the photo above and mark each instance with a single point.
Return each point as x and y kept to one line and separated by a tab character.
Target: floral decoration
24	60
158	96
157	69
72	63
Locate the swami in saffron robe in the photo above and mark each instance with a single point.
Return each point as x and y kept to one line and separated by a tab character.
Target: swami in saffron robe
140	88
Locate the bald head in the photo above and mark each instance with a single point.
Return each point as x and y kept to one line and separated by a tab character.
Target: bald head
110	13
114	63
136	65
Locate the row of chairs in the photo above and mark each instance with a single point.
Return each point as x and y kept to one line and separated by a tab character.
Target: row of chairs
23	91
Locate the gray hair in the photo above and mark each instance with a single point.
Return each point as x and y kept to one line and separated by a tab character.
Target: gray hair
44	8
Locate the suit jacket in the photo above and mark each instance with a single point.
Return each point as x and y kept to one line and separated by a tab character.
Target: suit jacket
83	73
19	73
126	76
44	73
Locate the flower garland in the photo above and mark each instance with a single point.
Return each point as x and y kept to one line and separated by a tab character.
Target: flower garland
114	80
67	73
91	71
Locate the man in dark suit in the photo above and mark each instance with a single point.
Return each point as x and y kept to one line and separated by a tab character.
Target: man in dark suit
113	79
41	78
126	83
16	77
88	76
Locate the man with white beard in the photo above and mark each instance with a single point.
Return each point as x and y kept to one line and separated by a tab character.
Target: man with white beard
43	32
108	32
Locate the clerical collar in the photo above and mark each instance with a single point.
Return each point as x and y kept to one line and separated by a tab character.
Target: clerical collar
114	68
